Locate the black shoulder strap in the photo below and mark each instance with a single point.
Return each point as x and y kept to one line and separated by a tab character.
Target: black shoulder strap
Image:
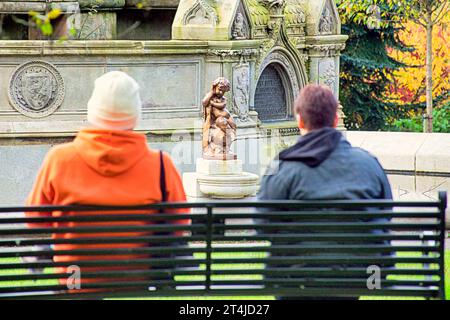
162	178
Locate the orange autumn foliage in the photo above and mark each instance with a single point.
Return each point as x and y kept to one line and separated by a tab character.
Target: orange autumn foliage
408	84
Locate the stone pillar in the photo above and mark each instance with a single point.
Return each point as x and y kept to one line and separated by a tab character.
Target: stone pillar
324	68
324	65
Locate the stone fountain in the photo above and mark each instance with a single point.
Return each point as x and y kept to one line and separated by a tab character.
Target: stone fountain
219	173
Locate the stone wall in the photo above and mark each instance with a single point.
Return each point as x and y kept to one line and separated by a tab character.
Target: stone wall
173	75
418	164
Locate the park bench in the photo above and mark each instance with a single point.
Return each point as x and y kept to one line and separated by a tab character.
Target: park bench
286	248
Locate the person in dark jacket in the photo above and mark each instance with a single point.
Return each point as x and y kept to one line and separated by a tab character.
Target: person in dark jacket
323	165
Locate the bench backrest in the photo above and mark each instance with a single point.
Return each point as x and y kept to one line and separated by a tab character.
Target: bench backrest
281	248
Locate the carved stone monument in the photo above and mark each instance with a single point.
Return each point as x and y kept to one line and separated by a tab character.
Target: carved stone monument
175	49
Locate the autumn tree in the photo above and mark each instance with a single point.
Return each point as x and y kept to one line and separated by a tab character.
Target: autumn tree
367	66
408	85
427	13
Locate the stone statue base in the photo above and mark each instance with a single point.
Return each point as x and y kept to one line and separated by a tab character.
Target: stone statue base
220	179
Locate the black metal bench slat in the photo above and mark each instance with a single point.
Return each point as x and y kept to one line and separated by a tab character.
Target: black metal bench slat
219	227
99	240
358	237
327	272
281	269
347	237
323	215
315	260
179	261
316	215
104	218
329	260
291	204
109	251
106	229
305	272
411	291
331	226
292	282
287	249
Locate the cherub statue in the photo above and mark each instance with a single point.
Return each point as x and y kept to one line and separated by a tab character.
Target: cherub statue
219	128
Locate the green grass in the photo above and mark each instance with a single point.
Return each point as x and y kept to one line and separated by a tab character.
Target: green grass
217	267
20	272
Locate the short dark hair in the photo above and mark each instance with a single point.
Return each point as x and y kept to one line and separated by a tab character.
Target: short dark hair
317	106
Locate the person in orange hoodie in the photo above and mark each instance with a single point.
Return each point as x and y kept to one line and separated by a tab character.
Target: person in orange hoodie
106	164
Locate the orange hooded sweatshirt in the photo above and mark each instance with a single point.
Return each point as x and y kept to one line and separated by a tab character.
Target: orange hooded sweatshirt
102	167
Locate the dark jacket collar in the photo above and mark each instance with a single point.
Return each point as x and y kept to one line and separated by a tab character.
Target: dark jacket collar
313	148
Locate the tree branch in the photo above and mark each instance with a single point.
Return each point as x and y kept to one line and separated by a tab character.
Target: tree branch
444	9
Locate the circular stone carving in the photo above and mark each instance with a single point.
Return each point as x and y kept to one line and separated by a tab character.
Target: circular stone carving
36	89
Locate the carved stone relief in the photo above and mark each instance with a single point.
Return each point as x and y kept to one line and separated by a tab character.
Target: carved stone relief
259	16
36	89
239	53
202	13
327	49
295	18
241	29
328	75
326	24
275	7
241	90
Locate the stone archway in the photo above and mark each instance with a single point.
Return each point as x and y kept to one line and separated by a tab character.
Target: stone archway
271	95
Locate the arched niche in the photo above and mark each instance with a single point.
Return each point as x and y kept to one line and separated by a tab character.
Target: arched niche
277	85
271	94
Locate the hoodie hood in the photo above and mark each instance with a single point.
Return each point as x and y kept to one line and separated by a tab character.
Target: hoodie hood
110	152
313	148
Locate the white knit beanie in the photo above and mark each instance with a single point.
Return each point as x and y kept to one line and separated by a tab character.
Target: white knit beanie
115	103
